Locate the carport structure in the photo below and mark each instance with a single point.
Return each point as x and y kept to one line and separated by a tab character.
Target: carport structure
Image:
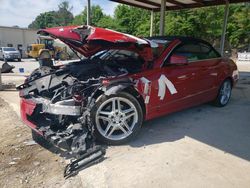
166	5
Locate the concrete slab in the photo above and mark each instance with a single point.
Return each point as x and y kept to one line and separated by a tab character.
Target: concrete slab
200	147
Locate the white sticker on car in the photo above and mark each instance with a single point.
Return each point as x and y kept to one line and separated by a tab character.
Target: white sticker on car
164	82
146	84
146	89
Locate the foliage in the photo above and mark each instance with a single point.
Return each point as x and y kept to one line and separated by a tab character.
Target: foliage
96	16
62	16
205	23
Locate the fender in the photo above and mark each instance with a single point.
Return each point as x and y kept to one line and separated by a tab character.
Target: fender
115	86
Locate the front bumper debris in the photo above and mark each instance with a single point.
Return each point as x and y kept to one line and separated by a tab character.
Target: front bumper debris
91	157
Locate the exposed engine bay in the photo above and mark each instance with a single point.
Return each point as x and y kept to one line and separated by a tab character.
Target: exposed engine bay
64	97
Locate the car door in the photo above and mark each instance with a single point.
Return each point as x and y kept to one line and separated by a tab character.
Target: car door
203	61
208	64
170	87
164	89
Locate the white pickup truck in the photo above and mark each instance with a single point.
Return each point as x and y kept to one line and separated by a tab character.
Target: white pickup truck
9	53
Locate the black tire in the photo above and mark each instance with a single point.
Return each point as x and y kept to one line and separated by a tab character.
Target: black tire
41	140
19	59
219	102
134	131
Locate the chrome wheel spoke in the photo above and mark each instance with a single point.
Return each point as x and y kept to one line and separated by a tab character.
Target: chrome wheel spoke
107	128
122	129
103	118
119	105
112	130
113	105
128	111
104	113
126	125
129	116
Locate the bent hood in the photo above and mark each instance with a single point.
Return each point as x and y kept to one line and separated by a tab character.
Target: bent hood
88	40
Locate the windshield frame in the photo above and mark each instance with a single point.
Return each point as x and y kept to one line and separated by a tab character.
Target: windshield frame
155	46
9	49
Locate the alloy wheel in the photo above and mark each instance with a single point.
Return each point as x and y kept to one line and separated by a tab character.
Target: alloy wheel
225	92
116	117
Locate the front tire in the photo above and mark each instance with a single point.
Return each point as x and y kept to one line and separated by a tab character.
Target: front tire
117	118
224	94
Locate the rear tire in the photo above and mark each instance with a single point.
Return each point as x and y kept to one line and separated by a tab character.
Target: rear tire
224	94
19	59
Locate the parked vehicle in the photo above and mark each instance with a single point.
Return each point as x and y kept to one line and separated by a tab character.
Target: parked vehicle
46	45
123	82
9	53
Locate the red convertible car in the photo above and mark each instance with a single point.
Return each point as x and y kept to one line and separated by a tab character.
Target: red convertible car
121	82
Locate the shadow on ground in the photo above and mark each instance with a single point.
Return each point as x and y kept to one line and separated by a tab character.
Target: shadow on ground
227	129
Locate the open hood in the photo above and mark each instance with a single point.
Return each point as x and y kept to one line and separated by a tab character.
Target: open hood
88	40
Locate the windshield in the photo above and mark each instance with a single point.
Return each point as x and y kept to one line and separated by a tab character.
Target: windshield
127	60
9	49
115	55
158	46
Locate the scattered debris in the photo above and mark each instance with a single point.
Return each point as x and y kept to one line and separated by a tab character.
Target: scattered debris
12	163
16	158
36	163
30	143
7	68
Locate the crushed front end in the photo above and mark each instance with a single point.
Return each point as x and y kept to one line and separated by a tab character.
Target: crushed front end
56	104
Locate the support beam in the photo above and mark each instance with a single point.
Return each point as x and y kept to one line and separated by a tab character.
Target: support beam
162	18
152	24
1	86
224	29
88	13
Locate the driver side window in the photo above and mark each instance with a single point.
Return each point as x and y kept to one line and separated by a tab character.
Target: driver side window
190	51
194	51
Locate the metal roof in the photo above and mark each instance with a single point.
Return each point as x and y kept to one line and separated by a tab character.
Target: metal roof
175	4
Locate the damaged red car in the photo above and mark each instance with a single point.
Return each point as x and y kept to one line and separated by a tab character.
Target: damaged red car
122	82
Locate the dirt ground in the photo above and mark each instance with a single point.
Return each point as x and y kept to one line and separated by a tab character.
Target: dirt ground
203	146
21	164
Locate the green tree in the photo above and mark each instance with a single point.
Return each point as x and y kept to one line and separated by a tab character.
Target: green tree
54	18
46	19
96	16
132	20
64	15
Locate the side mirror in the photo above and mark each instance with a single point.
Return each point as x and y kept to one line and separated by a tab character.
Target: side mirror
178	60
